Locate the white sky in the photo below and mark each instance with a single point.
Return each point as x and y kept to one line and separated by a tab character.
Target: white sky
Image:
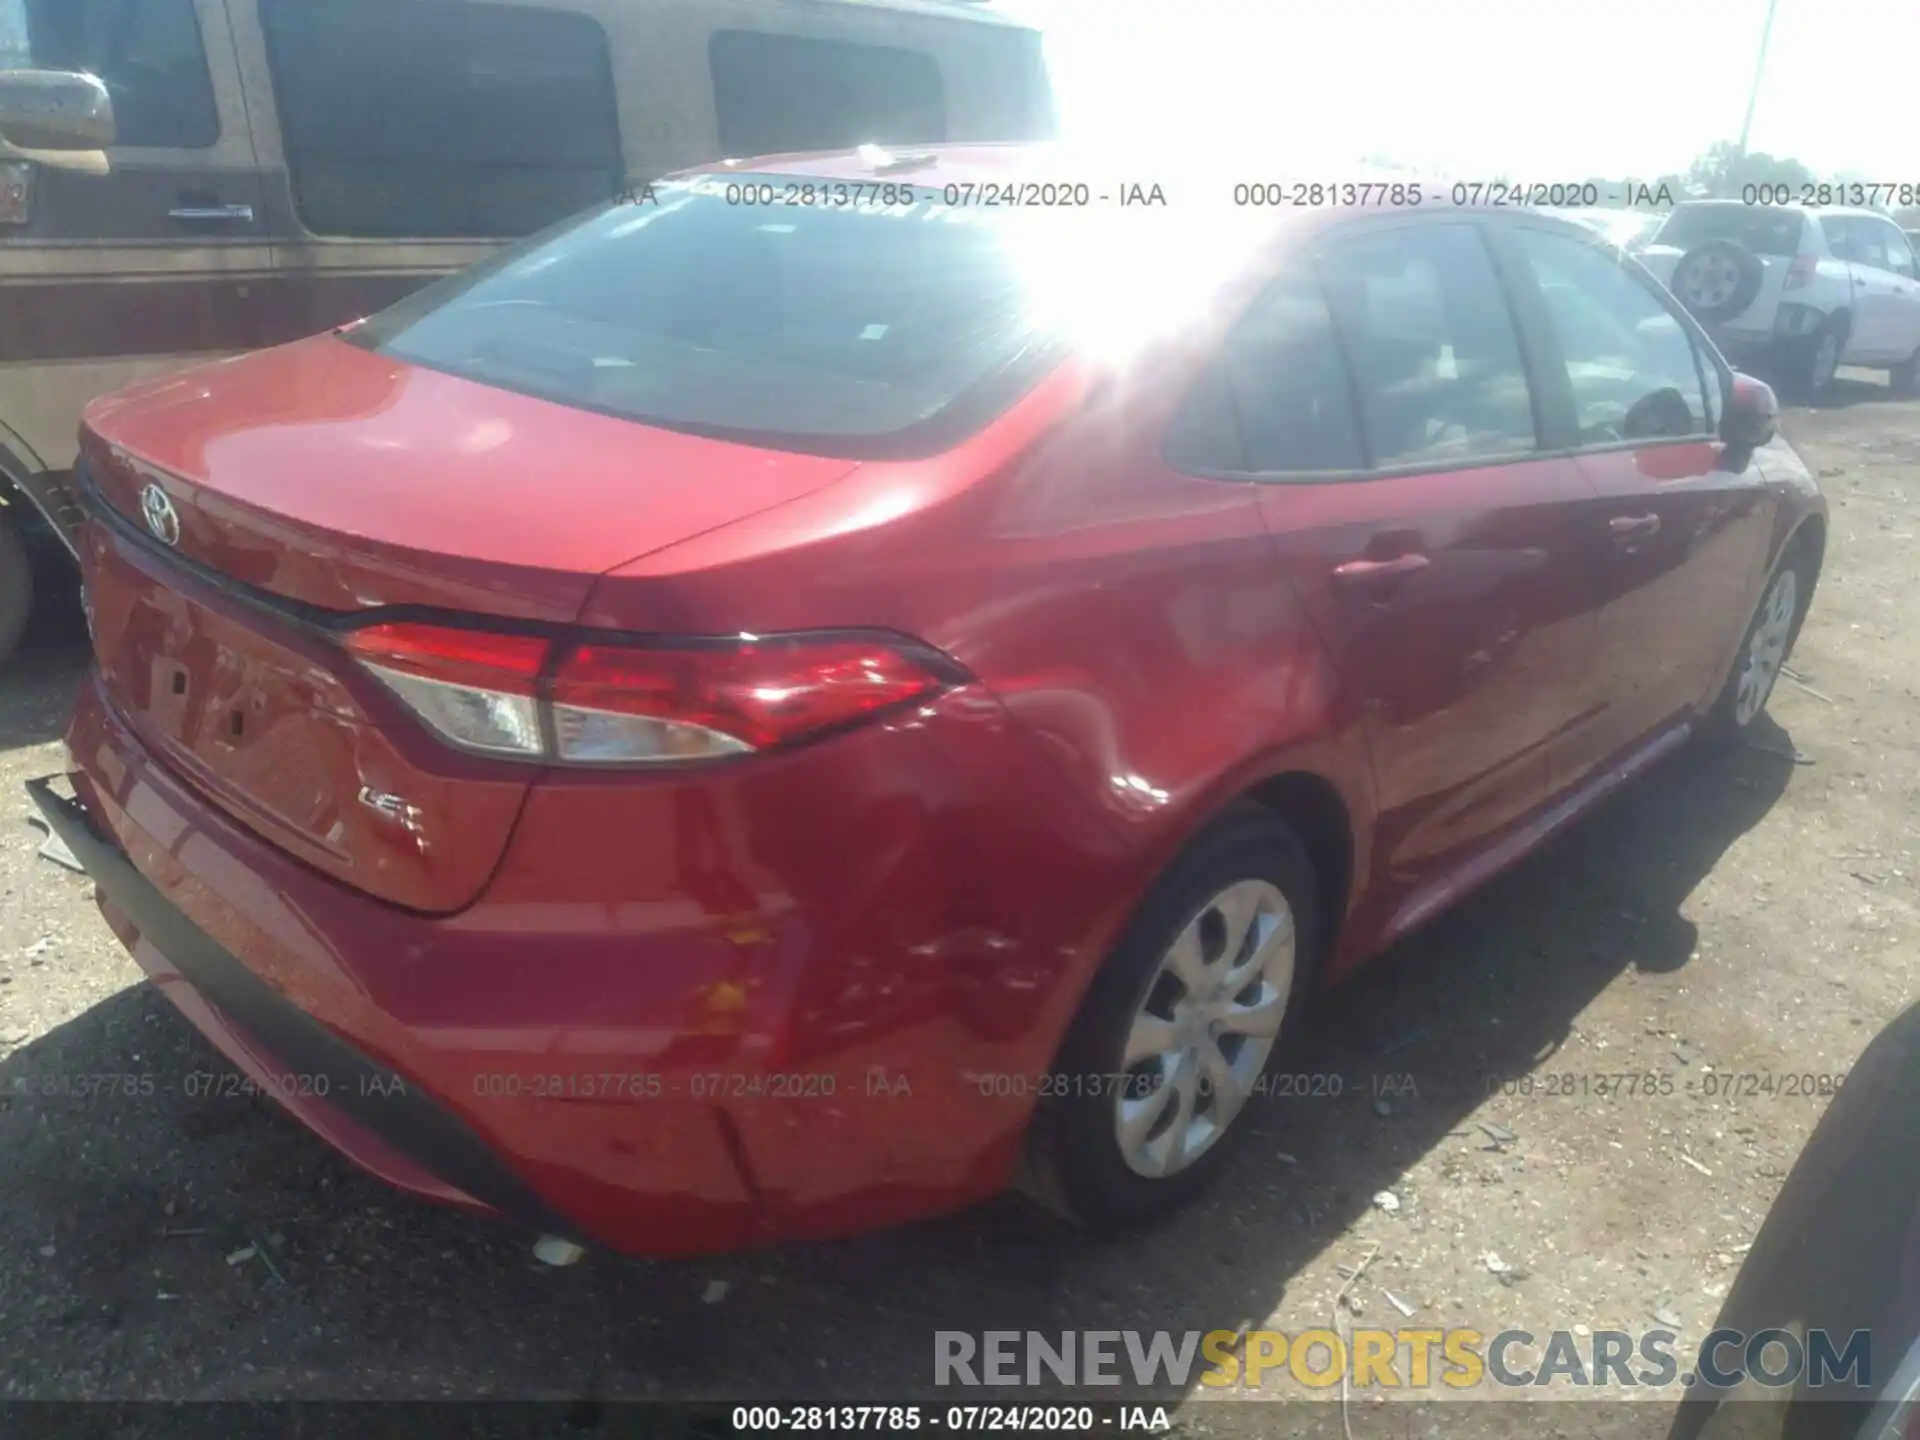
1537	90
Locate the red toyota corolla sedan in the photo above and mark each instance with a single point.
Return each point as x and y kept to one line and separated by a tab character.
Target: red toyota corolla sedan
803	700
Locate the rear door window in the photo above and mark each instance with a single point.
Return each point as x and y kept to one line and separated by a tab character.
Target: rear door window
1843	239
775	93
1279	399
1900	252
1432	344
1633	369
1882	246
861	331
440	118
148	53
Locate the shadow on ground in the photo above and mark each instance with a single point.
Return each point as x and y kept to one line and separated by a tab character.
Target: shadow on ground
121	1214
37	683
1850	388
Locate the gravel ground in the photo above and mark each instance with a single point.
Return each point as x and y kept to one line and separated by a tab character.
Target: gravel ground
1738	913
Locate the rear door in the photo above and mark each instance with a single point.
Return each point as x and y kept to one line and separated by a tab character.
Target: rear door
144	263
1874	334
1678	539
1380	400
1902	278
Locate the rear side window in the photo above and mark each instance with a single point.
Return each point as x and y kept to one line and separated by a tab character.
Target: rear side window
430	118
148	53
860	332
1278	400
1632	368
1760	229
1432	345
1845	241
1900	252
775	93
1866	241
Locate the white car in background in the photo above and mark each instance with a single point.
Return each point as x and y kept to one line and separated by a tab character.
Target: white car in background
1801	289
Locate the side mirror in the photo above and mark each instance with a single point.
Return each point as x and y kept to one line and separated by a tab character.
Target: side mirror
54	110
1752	415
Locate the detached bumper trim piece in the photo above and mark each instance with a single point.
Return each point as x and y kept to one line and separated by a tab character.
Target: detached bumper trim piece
379	1098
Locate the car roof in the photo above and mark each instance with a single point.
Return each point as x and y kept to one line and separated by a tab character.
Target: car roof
1822	212
1597	213
906	164
1814	212
986	10
1016	14
1185	174
1020	163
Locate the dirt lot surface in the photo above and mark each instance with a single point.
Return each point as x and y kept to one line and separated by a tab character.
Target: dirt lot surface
1734	914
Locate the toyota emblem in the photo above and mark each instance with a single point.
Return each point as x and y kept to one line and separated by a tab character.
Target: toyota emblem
162	519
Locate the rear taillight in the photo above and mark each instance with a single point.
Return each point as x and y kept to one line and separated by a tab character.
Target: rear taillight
481	691
599	703
1799	272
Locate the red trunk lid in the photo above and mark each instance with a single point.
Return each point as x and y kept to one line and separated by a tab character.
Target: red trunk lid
321	479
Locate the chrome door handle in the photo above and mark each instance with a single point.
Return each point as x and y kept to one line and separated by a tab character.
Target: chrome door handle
1626	526
240	213
1379	574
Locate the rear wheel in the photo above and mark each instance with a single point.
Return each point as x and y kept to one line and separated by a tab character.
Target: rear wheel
1765	646
16	584
1811	367
1165	1060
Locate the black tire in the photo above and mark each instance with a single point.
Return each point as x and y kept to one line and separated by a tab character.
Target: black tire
1905	377
1749	273
1724	720
1805	369
1074	1162
16	584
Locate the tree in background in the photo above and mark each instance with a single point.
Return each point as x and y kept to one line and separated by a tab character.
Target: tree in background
1724	172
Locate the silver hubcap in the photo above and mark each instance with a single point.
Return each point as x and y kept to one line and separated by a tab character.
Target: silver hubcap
1205	1028
1768	647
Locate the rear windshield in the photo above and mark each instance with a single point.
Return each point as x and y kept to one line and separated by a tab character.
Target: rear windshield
856	329
1761	230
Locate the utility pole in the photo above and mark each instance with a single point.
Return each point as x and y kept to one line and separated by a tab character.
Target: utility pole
1759	70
